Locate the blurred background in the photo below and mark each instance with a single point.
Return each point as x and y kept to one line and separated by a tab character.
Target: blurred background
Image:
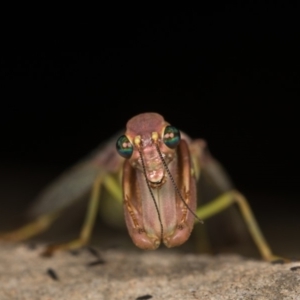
227	74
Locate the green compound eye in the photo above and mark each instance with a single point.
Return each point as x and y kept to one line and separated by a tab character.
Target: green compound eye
124	147
171	136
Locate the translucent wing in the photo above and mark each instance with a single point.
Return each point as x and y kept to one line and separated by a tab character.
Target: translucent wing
78	180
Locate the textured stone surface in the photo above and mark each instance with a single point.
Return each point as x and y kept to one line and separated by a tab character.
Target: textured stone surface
132	274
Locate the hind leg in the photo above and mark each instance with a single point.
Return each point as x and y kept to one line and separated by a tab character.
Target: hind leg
234	197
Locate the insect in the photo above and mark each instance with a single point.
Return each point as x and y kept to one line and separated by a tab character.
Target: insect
154	171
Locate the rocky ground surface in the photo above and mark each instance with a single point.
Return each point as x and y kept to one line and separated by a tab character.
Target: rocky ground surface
115	274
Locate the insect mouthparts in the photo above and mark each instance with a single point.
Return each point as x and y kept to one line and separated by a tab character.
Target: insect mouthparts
158	183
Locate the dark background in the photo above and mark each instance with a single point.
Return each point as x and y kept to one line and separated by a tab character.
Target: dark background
227	74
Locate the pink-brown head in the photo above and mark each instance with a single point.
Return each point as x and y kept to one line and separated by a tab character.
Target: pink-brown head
144	133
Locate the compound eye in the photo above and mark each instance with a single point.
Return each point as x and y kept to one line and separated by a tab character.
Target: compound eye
124	147
171	137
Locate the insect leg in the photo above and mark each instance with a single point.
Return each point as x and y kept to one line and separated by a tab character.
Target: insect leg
88	223
33	228
229	198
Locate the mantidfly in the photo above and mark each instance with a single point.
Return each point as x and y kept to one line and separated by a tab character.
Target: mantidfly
161	170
